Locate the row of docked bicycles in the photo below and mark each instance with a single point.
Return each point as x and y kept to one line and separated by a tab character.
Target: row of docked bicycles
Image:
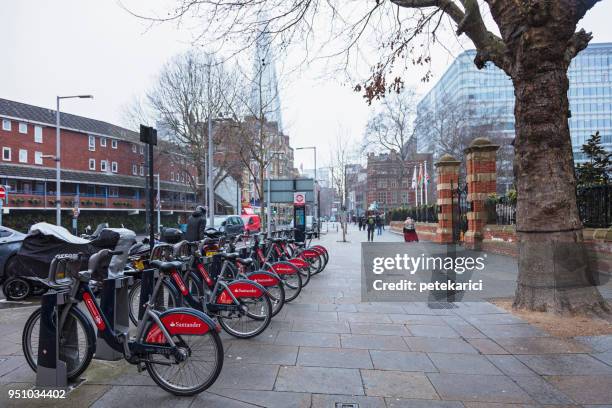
182	296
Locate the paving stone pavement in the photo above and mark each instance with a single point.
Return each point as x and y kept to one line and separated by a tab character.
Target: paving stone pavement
328	347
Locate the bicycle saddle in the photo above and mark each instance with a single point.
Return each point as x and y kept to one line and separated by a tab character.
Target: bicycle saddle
166	266
245	261
232	256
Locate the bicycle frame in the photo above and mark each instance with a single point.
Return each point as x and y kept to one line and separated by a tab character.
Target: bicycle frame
131	350
220	287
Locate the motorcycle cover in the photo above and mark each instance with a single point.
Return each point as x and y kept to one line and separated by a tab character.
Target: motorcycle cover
44	241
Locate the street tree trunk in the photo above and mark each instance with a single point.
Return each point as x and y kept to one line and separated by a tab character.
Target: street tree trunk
553	268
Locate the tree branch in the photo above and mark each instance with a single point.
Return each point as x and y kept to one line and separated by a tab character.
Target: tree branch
578	42
489	47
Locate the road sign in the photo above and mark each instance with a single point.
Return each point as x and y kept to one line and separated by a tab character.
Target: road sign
2	193
299	199
282	191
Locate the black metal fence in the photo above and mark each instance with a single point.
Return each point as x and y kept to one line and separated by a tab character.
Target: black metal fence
426	213
595	206
501	211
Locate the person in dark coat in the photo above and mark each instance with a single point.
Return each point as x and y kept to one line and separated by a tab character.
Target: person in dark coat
370	225
196	225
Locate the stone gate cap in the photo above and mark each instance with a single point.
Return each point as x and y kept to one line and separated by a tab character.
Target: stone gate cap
481	143
447	160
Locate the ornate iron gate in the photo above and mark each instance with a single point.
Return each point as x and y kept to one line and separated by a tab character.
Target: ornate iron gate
461	206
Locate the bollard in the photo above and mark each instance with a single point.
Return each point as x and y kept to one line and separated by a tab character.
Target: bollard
51	371
114	305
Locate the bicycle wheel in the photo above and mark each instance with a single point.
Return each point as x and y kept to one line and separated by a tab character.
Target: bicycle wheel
293	284
166	299
276	292
199	370
306	274
323	252
76	344
277	299
316	265
250	322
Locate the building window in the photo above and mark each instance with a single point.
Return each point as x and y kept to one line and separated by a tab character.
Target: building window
141	170
92	143
134	169
38	159
114	167
23	128
134	148
113	191
104	165
38	134
92	164
172	175
23	156
6	153
114	143
102	142
6	125
141	149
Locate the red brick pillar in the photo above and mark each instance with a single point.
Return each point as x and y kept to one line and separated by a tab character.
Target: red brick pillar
447	174
481	158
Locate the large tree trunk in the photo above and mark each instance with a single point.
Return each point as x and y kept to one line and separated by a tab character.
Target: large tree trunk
553	268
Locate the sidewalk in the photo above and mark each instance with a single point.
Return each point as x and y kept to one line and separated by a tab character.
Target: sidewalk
327	347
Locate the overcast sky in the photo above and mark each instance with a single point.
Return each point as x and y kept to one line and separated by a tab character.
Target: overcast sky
63	47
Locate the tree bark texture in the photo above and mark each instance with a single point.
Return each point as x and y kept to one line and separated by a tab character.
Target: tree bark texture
554	274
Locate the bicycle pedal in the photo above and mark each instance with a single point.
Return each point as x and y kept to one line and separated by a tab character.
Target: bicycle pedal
140	367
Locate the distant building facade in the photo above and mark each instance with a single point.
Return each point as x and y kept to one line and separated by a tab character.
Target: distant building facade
489	91
389	179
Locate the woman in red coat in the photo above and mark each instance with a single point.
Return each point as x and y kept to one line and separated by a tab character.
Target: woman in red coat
410	234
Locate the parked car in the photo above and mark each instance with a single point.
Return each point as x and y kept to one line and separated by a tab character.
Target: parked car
252	223
10	242
230	224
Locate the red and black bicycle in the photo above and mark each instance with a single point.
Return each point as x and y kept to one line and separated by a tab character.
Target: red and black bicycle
180	348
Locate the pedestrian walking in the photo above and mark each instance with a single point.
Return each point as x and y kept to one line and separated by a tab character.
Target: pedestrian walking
379	225
410	234
196	225
370	225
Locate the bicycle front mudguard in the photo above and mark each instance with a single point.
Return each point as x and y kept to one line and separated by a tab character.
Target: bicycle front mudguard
179	321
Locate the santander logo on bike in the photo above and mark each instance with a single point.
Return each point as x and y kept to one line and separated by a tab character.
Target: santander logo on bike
243	291
185	325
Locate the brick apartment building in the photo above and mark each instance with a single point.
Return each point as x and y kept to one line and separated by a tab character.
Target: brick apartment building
103	167
389	179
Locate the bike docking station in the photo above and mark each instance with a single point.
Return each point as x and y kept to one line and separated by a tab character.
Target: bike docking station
114	299
52	369
114	303
53	362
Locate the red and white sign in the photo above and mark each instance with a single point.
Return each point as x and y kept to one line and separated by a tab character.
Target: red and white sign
2	193
299	199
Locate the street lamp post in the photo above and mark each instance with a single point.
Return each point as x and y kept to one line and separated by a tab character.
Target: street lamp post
269	195
316	206
58	147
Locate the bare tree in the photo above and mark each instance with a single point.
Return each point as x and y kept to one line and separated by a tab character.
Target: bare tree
537	42
192	88
392	128
340	158
450	127
256	137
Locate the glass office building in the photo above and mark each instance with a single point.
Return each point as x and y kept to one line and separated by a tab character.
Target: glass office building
489	91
